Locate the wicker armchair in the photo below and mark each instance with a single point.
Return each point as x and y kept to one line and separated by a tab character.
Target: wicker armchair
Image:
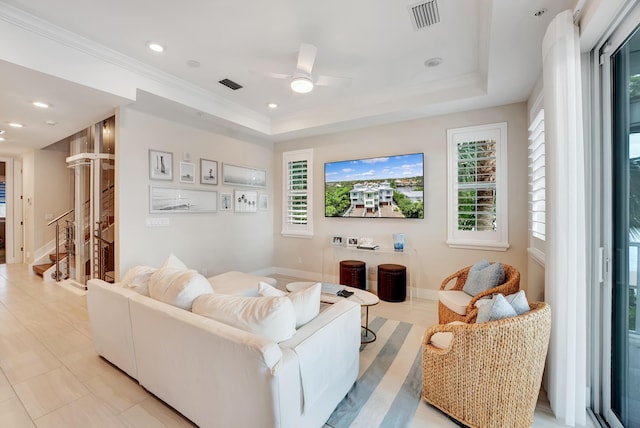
491	373
511	285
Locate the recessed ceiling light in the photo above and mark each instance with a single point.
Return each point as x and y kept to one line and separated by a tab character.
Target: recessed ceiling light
433	62
15	125
193	63
2	139
272	105
1	131
51	122
41	104
156	47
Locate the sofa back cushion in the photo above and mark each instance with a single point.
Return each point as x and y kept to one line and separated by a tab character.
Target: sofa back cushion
178	286
270	317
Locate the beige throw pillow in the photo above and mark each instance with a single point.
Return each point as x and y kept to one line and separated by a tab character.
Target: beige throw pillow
178	286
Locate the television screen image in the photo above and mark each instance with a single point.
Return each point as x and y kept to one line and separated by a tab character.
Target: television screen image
382	187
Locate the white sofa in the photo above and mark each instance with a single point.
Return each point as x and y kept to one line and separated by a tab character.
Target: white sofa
220	376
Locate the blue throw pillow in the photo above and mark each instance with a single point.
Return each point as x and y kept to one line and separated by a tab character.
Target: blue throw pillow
495	309
519	302
482	279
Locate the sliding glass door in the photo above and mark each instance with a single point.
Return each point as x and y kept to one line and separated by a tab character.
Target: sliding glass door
624	348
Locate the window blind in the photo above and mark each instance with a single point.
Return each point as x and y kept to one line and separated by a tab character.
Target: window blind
537	193
297	203
476	166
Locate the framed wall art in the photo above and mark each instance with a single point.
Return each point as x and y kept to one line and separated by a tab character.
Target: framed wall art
263	202
243	176
226	202
352	241
187	172
160	165
208	171
168	199
245	201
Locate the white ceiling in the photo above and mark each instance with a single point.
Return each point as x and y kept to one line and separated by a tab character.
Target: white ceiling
490	50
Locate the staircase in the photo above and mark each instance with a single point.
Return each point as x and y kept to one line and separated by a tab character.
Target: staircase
42	268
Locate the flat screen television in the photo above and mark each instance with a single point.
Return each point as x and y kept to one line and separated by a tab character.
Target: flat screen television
382	187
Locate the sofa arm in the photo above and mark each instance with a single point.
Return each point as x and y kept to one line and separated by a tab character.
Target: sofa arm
327	376
110	323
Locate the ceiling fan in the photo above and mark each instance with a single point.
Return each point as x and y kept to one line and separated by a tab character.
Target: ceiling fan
302	80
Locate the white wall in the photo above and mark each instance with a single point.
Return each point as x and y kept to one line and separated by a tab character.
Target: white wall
209	242
434	260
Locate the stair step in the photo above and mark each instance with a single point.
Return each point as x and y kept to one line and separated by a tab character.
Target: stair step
52	256
41	269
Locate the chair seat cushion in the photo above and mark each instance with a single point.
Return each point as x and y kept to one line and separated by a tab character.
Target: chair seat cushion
442	340
456	300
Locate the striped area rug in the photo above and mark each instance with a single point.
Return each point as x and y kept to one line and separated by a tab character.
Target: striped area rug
387	392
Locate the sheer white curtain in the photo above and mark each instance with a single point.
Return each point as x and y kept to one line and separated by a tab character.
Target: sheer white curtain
565	268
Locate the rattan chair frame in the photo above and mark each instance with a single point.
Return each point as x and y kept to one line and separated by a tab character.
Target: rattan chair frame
491	373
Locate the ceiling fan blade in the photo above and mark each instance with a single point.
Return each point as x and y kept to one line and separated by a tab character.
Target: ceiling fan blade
306	57
332	81
271	74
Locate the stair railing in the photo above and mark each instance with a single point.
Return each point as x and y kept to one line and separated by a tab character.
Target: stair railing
57	275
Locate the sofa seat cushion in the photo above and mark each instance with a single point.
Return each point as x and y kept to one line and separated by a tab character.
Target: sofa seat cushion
177	286
443	339
306	301
456	300
238	283
270	317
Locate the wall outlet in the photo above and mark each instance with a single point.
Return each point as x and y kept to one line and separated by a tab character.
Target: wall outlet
299	259
48	216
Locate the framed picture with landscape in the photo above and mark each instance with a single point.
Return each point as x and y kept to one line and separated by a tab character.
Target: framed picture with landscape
381	187
160	165
208	171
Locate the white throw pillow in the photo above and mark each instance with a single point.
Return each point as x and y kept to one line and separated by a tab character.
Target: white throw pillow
137	279
306	302
270	317
173	261
177	286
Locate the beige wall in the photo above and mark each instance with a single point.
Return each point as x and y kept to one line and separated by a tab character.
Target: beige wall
433	260
47	190
209	242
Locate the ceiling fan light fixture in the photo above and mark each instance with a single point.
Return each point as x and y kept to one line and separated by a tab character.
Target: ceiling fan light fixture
301	84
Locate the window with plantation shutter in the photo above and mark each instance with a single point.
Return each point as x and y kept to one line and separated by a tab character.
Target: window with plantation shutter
478	187
298	185
537	193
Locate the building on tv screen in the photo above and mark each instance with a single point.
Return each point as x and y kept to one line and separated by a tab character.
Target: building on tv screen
384	187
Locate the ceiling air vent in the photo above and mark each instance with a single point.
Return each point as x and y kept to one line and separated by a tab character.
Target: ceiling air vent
424	14
230	84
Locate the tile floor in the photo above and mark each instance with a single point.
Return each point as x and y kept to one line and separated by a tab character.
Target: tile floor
50	376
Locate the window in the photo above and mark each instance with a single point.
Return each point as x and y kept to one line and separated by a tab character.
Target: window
478	187
537	188
297	195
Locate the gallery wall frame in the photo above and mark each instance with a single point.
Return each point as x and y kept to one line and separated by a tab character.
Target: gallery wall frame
245	201
208	171
187	172
160	165
169	199
226	202
243	176
263	202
